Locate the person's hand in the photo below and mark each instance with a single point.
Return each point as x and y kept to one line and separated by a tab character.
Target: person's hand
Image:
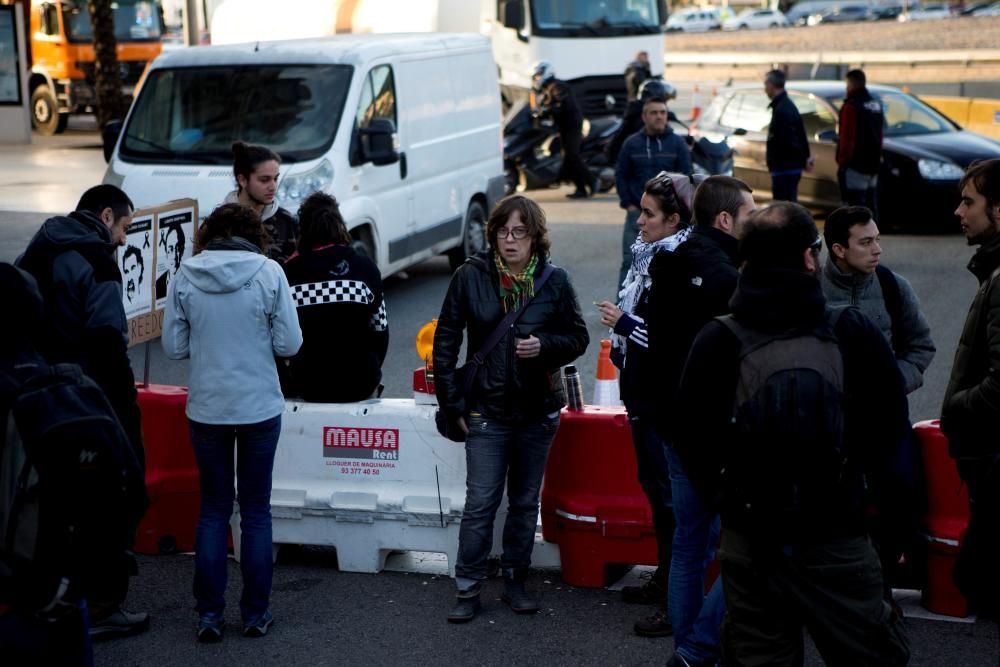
528	348
460	422
610	313
810	163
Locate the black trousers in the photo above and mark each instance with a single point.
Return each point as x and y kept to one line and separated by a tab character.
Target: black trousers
573	167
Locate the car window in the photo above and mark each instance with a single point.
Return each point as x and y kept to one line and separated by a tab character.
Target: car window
816	116
748	110
907	115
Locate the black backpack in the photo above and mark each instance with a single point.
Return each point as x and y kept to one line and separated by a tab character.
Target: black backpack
787	465
70	485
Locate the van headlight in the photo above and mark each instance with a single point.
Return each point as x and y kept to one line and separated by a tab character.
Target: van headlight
936	170
294	188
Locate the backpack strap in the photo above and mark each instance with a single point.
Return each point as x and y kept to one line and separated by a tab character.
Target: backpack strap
893	303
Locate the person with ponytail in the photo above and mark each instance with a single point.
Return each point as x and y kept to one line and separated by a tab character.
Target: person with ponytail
256	171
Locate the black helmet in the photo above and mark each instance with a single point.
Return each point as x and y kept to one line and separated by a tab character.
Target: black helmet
651	88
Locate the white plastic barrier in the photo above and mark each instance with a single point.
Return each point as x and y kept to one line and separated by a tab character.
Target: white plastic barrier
370	478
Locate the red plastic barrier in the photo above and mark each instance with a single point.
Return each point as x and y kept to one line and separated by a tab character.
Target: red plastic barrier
592	504
946	520
171	472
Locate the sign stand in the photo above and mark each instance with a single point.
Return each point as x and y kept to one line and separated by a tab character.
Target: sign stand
145	365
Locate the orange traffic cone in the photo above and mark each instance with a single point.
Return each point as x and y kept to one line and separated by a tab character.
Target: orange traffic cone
606	383
695	104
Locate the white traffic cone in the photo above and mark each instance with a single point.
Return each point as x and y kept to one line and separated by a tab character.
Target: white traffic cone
606	382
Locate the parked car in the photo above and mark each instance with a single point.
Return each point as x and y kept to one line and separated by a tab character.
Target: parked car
926	13
755	19
844	14
973	7
695	20
887	12
990	10
924	154
800	12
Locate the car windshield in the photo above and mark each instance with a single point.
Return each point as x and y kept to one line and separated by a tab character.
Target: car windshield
135	21
605	18
194	115
906	115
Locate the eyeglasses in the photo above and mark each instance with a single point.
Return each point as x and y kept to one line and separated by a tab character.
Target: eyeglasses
518	233
816	245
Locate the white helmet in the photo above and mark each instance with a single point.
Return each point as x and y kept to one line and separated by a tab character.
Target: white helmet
542	73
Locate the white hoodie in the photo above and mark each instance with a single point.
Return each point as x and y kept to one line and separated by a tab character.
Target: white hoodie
231	312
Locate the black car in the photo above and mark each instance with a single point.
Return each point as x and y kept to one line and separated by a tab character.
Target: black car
924	154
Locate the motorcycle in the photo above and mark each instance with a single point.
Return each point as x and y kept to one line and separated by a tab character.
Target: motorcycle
708	158
532	151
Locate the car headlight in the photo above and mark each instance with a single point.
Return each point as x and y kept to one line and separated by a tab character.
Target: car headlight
936	170
293	189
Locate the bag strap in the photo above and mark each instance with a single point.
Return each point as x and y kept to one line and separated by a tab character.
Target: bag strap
508	321
893	303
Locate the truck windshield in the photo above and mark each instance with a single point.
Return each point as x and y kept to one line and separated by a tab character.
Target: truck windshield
135	21
598	18
193	115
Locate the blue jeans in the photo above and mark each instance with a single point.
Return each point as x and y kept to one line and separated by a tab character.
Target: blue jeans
629	232
496	451
785	185
696	617
213	448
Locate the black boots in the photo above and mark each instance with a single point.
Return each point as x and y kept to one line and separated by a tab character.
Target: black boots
520	601
466	606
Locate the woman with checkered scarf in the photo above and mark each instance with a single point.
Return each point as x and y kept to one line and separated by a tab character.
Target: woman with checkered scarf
511	412
665	215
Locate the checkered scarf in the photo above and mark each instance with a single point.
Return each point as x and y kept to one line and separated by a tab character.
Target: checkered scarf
515	288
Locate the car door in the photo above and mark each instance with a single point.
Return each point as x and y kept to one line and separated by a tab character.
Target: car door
819	186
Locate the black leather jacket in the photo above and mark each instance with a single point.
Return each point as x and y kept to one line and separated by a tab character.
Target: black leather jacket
507	387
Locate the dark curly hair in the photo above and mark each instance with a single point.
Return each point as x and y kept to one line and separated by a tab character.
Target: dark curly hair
228	221
320	222
661	188
531	215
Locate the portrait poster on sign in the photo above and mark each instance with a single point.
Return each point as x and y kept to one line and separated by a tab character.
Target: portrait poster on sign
174	245
136	261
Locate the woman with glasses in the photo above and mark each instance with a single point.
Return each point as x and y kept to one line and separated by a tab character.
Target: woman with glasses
511	410
664	219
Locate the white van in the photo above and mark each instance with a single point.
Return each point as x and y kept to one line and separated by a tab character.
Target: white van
404	130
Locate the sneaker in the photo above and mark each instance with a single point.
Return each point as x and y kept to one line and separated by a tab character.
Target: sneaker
259	627
680	661
210	628
119	623
652	592
656	625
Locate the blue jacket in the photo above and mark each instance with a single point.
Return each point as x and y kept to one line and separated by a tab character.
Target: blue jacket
231	312
643	157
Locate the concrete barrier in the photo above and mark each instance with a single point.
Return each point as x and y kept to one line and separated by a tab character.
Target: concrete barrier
972	113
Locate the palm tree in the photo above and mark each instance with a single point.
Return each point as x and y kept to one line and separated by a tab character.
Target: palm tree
107	81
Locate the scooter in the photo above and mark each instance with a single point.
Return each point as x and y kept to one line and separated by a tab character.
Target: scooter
708	158
532	150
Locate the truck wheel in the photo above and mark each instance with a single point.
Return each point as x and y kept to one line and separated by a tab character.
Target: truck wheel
45	116
473	236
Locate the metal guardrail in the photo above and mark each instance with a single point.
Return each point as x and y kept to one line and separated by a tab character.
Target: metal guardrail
964	56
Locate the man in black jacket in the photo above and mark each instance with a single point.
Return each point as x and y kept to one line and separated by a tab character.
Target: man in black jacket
73	259
859	144
809	562
556	100
787	145
689	287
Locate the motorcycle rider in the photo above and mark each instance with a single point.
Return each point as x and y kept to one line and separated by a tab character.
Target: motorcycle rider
632	118
556	101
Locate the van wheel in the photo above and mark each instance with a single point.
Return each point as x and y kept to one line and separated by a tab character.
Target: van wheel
361	247
473	238
45	116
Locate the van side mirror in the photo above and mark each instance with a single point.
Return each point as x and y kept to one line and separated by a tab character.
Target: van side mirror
378	142
828	135
109	137
512	14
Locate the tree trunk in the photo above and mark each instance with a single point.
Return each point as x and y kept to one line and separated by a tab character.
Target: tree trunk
107	80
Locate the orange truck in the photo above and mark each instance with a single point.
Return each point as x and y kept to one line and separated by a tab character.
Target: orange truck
61	54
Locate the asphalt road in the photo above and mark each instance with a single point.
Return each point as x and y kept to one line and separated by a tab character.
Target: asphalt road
325	616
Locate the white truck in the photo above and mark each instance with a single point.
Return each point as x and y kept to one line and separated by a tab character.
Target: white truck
590	42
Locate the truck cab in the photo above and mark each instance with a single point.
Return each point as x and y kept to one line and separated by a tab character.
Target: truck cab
61	54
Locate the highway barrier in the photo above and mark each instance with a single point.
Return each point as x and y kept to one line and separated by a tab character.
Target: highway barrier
972	113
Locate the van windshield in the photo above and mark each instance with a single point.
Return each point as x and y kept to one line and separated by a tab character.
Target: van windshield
194	115
135	21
